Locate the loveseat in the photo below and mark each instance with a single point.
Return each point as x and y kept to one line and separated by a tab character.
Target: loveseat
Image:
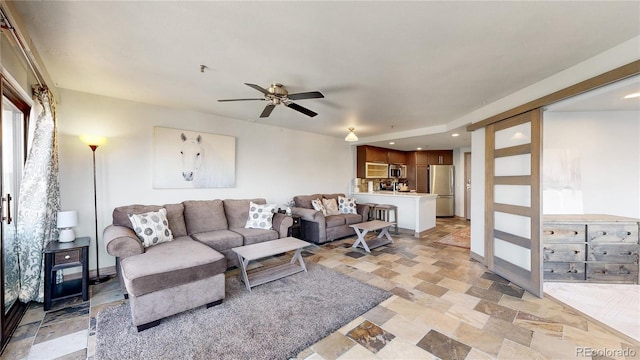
318	228
188	271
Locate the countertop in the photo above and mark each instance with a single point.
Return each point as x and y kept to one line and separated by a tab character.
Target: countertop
397	193
582	218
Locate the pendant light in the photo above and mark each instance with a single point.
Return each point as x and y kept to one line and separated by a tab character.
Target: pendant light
351	136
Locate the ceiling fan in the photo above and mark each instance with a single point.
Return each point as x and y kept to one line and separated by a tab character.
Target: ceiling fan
276	94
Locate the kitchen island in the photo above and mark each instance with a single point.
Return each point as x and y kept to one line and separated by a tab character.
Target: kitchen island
416	211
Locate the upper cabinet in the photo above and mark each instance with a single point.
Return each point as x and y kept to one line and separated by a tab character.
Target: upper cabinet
372	154
439	157
396	157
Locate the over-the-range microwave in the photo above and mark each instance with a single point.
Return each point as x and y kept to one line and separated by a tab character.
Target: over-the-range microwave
398	171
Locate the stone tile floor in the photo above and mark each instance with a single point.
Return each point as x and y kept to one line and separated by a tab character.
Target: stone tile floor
444	306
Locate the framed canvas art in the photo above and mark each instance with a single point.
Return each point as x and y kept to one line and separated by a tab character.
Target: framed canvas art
185	159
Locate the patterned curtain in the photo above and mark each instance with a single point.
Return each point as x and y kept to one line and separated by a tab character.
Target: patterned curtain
39	199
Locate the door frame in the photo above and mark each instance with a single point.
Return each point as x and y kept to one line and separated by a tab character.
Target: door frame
10	320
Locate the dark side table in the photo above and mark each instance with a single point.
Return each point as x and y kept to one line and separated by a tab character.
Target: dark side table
58	256
295	229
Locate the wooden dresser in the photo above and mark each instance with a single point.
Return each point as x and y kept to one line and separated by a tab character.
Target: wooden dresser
590	248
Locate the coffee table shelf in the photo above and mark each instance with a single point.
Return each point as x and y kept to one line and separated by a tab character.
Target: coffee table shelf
363	228
270	248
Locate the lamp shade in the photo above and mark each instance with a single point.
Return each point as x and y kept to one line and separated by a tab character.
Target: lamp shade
93	139
67	219
351	136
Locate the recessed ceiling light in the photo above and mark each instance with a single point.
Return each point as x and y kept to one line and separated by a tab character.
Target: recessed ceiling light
634	95
418	148
455	134
392	143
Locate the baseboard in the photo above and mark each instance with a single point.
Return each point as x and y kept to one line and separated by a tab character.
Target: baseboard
477	257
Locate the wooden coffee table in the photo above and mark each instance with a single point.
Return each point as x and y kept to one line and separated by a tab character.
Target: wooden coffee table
270	248
363	228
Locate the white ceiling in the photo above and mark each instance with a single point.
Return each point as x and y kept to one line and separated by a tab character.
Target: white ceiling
383	66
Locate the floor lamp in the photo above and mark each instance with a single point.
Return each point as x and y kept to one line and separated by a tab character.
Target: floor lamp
94	142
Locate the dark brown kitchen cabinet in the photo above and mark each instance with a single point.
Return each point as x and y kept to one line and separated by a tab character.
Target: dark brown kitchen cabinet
421	178
372	154
369	154
440	157
421	157
396	157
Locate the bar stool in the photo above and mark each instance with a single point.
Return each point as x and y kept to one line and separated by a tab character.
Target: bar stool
372	213
383	212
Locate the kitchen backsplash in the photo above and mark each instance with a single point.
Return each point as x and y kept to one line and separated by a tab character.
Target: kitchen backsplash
363	184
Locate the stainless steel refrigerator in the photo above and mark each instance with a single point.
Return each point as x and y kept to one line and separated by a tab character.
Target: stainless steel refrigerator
441	183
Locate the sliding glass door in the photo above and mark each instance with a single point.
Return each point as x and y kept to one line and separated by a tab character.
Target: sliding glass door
12	155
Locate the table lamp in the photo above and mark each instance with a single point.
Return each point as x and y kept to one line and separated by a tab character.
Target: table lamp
66	221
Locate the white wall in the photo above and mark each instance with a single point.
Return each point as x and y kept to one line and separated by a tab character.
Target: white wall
592	163
477	192
271	162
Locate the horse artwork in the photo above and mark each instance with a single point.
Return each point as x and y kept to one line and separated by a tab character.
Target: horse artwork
187	159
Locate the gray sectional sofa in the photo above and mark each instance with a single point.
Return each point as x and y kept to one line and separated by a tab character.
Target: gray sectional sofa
320	229
188	272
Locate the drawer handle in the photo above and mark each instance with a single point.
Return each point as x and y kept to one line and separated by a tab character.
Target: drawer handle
604	233
67	257
627	253
576	251
551	271
575	233
550	251
604	271
628	232
552	232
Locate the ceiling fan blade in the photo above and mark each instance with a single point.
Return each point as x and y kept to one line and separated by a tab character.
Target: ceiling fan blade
267	110
223	100
306	95
259	88
301	109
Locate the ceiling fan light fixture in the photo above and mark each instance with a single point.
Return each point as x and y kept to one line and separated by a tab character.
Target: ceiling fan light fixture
351	136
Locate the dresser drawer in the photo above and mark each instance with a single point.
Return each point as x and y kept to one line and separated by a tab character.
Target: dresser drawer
563	233
564	252
613	272
613	233
563	271
614	253
67	257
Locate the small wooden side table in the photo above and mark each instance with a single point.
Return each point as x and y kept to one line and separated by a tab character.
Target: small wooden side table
58	256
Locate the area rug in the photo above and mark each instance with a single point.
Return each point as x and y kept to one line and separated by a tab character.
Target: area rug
460	238
276	320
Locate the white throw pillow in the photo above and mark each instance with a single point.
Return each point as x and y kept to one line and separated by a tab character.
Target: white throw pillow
347	205
152	228
331	205
260	216
317	206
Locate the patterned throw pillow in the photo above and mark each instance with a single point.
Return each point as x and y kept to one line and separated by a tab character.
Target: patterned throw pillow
331	205
260	216
347	205
317	206
152	227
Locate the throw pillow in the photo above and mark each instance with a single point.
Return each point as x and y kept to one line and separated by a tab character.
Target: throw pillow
347	205
152	227
317	206
331	205
260	216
